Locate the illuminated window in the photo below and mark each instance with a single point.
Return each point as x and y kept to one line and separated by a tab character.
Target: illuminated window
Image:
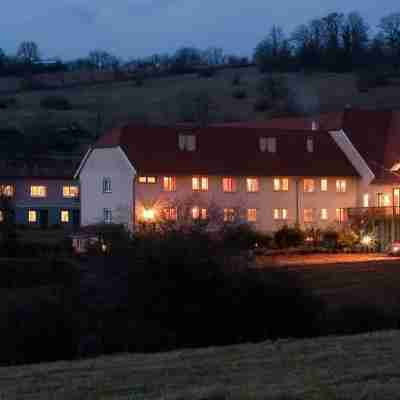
1	216
341	215
324	214
310	144
366	200
32	216
7	190
229	214
280	213
169	184
199	213
107	215
70	191
147	179
309	185
252	185
341	186
281	184
271	144
170	213
107	185
383	200
229	185
38	191
64	216
308	215
324	185
187	142
263	144
252	214
200	184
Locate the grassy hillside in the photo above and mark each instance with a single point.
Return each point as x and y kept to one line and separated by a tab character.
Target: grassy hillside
159	99
354	367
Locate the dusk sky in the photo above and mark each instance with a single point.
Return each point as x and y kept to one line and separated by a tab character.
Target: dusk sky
136	28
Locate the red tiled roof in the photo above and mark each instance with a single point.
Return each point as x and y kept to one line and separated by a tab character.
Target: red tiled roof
229	150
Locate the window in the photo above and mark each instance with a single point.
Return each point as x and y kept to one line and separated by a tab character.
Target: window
199	213
32	216
271	144
1	216
187	142
324	185
147	179
7	190
107	215
309	185
170	213
340	214
324	214
252	214
281	184
252	185
64	216
38	191
200	184
366	200
383	200
169	183
308	215
70	191
229	214
107	185
263	144
310	144
229	185
280	213
340	185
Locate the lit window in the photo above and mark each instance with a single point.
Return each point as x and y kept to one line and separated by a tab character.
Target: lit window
281	184
107	185
271	144
280	213
229	214
170	213
383	200
252	185
263	144
187	142
147	179
340	214
200	183
1	216
64	216
309	185
107	215
284	213
366	200
252	215
169	184
7	190
38	191
308	215
340	185
229	185
199	213
324	214
32	216
70	191
324	185
310	144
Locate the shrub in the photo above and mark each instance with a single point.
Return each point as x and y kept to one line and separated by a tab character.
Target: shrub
262	104
239	94
288	237
330	238
244	237
58	103
347	239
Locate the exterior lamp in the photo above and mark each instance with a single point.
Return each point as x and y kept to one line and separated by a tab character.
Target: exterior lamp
148	214
366	240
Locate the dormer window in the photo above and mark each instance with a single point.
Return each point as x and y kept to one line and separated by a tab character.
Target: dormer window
310	144
187	142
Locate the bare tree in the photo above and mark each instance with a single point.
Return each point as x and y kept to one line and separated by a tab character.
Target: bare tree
28	52
102	60
213	56
390	26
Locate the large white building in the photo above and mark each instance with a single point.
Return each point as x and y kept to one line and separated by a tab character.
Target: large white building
282	171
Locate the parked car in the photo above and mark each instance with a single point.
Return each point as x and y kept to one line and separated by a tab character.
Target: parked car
394	248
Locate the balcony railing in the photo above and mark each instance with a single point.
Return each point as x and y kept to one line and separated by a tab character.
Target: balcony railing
374	212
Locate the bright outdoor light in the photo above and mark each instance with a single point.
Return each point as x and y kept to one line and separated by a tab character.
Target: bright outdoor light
148	214
367	240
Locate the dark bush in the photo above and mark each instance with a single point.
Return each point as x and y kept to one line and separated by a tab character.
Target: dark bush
262	104
239	94
289	237
244	237
58	103
330	238
237	80
8	102
207	72
371	79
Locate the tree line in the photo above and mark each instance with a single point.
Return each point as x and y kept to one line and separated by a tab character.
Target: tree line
336	42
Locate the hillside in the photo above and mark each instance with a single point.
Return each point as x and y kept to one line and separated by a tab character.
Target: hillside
100	106
353	367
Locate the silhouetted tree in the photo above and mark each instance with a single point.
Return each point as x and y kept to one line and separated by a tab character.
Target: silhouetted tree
390	26
28	52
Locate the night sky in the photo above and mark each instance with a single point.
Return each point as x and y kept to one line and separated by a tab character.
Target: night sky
136	28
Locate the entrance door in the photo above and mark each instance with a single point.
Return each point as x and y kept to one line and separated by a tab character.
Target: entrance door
396	201
44	218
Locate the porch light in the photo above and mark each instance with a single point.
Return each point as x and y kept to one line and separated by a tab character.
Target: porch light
148	214
367	240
